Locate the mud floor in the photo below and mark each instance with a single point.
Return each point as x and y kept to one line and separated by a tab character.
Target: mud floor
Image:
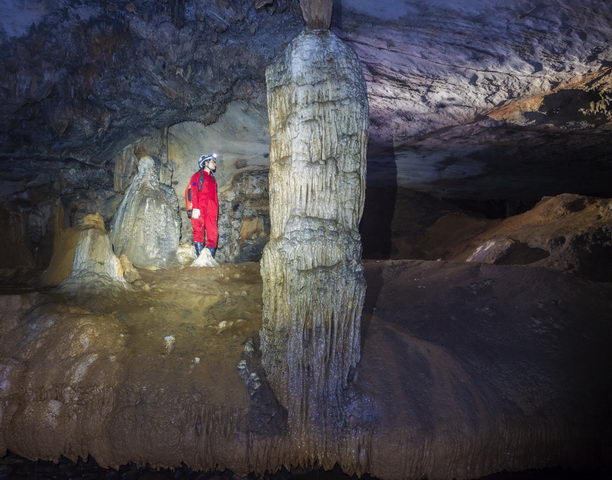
467	370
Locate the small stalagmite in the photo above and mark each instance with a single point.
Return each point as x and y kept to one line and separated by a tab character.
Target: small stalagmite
94	264
311	268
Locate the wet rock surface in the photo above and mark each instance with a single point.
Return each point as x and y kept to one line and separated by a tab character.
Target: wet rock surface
311	268
147	226
94	265
154	377
15	467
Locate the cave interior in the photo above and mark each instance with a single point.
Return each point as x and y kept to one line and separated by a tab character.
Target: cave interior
486	237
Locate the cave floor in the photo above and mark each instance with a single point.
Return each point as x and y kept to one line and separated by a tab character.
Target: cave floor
466	369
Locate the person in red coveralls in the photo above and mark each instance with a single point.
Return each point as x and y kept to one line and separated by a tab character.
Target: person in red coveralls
205	205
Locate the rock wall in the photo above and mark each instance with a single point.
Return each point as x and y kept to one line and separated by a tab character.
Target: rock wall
30	191
569	233
126	161
118	72
311	268
244	218
147	225
14	242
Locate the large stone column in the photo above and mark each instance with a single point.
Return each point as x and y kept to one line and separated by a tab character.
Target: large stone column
312	274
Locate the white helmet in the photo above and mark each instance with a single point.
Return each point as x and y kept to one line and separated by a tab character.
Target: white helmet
205	158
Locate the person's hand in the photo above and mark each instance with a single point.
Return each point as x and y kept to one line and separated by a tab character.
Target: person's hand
195	213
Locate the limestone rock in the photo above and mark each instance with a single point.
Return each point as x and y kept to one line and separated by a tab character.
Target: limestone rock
14	251
185	253
65	241
505	251
94	264
252	227
244	217
146	227
205	260
86	382
317	13
127	160
129	272
568	232
311	269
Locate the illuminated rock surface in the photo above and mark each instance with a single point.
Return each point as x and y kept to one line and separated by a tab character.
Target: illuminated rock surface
497	376
311	268
94	265
569	233
572	233
478	100
147	225
476	107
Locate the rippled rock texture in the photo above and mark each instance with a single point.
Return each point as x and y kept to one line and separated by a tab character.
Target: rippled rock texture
311	267
94	265
481	101
497	376
147	225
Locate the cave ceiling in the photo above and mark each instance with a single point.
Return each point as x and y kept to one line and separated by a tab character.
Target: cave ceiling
463	95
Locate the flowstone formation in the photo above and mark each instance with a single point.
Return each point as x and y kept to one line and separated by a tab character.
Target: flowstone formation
313	284
94	265
147	225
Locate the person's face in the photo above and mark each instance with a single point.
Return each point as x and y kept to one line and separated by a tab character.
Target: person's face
212	164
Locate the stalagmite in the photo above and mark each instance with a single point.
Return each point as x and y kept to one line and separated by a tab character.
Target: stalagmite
147	224
311	268
94	264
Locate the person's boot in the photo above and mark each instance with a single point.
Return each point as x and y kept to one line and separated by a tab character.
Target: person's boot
213	250
199	246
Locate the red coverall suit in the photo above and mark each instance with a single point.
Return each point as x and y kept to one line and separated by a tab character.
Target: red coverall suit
204	197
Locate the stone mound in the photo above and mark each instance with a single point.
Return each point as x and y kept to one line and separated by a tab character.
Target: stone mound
205	260
147	225
505	251
94	264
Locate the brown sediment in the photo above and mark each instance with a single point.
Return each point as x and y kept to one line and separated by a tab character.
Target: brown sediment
465	370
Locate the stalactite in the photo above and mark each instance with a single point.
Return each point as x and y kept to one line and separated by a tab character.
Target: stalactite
313	278
317	13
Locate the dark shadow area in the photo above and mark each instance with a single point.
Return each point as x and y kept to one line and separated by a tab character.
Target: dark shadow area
522	254
529	164
380	201
15	467
566	106
494	208
337	16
